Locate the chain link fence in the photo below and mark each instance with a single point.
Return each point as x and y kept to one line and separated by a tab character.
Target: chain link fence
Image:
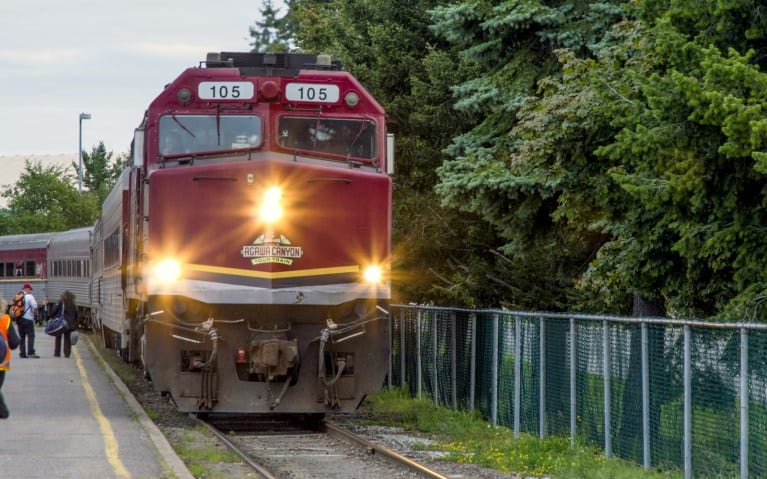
664	393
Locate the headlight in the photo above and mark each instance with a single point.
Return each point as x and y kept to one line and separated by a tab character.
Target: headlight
373	274
167	270
271	209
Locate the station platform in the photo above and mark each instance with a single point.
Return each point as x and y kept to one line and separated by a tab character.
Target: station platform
73	418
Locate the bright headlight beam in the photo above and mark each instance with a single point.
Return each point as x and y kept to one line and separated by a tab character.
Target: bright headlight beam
271	213
273	195
167	270
373	274
271	209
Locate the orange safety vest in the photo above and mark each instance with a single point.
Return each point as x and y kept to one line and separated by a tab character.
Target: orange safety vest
5	323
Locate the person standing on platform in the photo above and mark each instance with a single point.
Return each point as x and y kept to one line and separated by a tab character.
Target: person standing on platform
26	324
66	306
12	340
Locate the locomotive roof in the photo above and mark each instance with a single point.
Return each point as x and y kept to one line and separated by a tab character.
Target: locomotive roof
271	64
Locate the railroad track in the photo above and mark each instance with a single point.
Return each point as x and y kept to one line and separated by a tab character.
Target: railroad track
383	452
311	448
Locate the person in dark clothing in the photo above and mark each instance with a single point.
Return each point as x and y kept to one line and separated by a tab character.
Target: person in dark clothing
12	338
65	306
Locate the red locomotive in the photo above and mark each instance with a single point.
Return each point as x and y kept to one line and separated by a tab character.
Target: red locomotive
242	257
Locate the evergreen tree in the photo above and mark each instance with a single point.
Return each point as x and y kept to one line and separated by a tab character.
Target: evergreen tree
691	157
634	170
508	176
100	170
272	34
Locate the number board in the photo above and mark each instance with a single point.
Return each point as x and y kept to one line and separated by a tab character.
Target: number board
312	92
225	90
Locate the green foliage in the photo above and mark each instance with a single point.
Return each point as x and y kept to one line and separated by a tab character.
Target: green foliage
100	171
200	454
526	168
272	34
685	158
628	156
45	199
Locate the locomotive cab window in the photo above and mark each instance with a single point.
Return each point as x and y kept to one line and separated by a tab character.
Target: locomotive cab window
350	138
186	134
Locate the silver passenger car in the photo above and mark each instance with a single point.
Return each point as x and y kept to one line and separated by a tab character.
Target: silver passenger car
69	268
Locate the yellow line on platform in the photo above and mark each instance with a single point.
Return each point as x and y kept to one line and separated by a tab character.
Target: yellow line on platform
110	442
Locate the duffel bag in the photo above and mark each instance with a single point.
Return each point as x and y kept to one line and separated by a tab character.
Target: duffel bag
56	326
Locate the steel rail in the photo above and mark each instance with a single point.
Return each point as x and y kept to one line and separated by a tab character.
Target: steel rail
265	473
387	454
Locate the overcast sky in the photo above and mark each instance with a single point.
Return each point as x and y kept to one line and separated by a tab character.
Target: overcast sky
59	58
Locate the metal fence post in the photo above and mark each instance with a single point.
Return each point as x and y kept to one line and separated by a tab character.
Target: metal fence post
419	373
687	404
542	379
607	399
454	363
473	364
645	397
743	403
573	379
494	385
403	371
517	373
391	366
435	358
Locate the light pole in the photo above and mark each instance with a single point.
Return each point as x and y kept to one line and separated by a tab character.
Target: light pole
83	116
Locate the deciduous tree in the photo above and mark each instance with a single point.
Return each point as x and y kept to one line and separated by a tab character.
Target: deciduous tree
46	199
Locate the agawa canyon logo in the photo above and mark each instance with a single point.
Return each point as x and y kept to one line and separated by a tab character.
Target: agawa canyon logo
272	248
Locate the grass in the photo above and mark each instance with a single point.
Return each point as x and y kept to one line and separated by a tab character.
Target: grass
468	438
199	451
